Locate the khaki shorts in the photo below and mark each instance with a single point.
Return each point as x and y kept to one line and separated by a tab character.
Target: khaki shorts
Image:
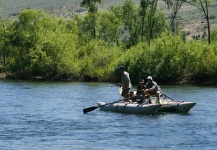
125	92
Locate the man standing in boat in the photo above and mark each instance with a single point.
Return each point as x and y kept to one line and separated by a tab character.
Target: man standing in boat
152	89
125	82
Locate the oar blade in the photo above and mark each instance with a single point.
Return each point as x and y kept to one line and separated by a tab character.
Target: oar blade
86	110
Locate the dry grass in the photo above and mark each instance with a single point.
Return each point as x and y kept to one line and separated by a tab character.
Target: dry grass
190	19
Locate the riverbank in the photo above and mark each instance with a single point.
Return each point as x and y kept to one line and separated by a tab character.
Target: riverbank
11	76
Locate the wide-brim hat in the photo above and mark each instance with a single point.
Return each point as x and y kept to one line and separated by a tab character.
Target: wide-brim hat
149	78
141	81
121	68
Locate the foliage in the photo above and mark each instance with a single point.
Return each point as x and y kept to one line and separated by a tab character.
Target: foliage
109	27
214	34
39	45
169	60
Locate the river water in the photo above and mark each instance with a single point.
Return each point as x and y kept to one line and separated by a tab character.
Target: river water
48	116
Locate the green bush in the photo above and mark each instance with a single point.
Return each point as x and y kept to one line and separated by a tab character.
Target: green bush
39	45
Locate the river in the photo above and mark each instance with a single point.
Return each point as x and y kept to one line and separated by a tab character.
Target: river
48	116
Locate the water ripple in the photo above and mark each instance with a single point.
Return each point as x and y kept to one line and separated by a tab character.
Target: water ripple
48	115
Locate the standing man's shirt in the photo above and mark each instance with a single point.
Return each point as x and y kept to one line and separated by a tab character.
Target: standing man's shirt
125	80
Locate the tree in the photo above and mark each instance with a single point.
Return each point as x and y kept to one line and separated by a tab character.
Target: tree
23	37
92	9
118	13
131	23
143	12
214	34
2	38
175	5
203	5
109	27
151	20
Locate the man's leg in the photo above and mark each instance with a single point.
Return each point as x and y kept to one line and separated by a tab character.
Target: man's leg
125	94
158	97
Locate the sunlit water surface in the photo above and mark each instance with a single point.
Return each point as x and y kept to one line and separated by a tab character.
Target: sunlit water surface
48	116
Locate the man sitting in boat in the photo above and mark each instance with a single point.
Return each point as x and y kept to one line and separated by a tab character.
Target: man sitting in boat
140	88
152	89
139	92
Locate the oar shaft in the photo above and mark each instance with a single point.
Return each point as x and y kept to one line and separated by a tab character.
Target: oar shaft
167	96
86	110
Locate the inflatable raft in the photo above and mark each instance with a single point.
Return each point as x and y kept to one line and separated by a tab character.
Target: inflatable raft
146	108
176	106
130	108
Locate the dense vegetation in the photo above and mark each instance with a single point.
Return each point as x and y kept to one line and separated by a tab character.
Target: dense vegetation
92	46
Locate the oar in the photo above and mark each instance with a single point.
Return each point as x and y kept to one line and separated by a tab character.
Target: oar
167	96
172	98
86	110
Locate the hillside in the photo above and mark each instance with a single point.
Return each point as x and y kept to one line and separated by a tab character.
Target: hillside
190	19
13	7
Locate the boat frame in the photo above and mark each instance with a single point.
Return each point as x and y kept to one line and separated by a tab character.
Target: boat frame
129	108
